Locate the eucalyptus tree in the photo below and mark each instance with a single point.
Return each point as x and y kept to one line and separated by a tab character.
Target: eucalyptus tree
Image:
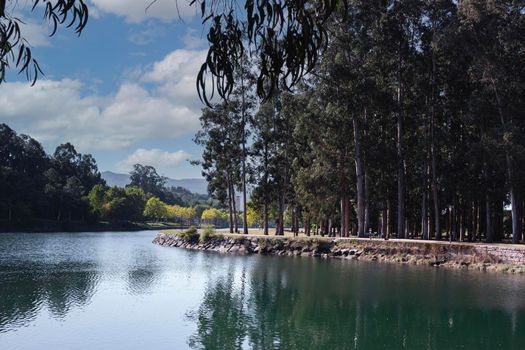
221	137
242	104
494	32
263	132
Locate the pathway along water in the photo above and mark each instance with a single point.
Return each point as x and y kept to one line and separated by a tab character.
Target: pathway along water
120	291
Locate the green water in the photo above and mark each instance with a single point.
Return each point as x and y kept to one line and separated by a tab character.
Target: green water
119	291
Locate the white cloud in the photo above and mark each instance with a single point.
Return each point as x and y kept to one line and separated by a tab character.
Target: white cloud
146	36
158	103
172	78
55	111
137	11
159	159
35	34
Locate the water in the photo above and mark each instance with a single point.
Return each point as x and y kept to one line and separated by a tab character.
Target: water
120	291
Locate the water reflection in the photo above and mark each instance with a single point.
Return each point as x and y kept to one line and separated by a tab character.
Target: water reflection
73	288
143	273
222	319
312	304
58	287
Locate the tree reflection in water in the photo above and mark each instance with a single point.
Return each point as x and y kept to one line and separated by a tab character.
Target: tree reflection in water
314	304
59	287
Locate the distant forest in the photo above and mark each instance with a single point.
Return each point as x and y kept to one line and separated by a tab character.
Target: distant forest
66	187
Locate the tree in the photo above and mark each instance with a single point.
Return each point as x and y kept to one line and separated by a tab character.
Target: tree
122	205
221	137
211	216
146	177
242	103
155	209
254	216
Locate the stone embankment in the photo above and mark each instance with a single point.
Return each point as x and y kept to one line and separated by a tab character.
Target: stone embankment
486	257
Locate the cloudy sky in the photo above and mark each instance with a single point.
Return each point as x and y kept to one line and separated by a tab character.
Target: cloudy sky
123	91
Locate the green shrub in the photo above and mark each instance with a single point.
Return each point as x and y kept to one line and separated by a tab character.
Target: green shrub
320	245
207	232
189	235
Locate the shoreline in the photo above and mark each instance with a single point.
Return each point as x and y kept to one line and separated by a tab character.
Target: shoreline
474	256
47	227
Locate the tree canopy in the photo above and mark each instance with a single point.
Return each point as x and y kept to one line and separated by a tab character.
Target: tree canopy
410	124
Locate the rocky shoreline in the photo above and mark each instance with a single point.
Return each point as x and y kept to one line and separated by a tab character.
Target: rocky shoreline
484	257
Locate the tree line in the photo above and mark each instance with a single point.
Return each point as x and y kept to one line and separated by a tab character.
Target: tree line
66	187
410	125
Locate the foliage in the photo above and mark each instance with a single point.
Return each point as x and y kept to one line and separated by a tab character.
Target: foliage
15	50
253	216
146	177
285	36
207	232
155	209
36	185
211	215
189	235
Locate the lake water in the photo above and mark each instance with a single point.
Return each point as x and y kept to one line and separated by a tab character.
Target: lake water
120	291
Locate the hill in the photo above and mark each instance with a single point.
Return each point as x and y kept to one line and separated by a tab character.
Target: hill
193	185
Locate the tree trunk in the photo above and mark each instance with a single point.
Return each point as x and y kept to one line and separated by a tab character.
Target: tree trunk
230	205
307	227
489	233
510	171
516	230
388	219
384	224
367	200
234	204
433	150
400	155
244	214
360	180
424	216
266	219
345	229
280	219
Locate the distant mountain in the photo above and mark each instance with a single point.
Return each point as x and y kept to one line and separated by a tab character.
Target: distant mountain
114	179
193	185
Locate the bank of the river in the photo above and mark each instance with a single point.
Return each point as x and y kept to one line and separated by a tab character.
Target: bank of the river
53	226
485	257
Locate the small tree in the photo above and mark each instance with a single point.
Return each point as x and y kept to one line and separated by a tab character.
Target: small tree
211	216
155	209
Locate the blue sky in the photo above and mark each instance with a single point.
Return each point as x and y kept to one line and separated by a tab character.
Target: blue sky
123	91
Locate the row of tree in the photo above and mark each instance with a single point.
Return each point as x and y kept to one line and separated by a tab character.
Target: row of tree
411	125
67	187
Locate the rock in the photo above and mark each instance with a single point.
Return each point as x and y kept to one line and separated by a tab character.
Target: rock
337	252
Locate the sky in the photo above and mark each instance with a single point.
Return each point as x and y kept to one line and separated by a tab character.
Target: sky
124	91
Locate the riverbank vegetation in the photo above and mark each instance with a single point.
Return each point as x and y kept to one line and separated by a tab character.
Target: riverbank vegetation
411	125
